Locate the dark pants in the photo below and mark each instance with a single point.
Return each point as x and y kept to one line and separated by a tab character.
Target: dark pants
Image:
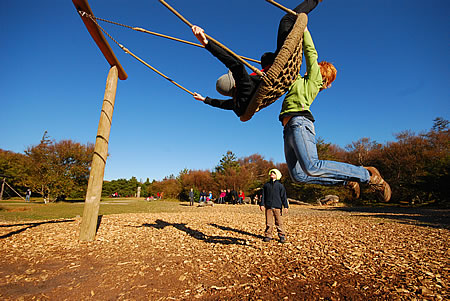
288	21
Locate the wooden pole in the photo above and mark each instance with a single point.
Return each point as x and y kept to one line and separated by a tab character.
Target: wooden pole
99	38
14	190
94	190
3	188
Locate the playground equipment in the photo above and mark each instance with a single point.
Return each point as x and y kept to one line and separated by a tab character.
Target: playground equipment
274	84
94	190
283	71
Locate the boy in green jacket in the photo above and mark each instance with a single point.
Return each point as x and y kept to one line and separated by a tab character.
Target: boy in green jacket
300	138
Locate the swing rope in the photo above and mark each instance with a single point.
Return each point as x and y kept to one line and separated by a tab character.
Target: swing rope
140	29
254	69
289	11
126	50
279	77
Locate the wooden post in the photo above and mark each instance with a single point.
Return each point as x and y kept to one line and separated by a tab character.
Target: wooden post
3	188
94	190
99	38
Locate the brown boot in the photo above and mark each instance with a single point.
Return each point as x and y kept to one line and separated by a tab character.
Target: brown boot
354	187
378	184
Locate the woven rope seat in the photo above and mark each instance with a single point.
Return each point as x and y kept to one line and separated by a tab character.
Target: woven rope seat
282	73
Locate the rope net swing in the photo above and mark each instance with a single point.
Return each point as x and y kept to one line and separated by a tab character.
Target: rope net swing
284	70
275	82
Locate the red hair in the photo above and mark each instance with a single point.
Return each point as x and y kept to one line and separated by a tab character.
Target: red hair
328	72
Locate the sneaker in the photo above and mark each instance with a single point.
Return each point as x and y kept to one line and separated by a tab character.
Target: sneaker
282	239
267	239
354	186
379	185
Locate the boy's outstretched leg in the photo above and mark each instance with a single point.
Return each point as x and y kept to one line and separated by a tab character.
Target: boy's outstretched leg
378	184
354	187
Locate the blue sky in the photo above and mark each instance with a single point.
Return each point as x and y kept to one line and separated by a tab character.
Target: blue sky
392	59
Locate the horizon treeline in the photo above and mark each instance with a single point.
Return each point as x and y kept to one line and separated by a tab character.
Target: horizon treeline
415	165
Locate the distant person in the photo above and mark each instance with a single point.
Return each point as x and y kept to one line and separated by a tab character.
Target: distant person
255	199
191	197
234	197
28	195
241	197
272	201
228	196
221	199
203	196
210	196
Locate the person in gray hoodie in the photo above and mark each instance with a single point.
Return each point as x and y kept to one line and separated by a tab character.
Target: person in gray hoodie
273	200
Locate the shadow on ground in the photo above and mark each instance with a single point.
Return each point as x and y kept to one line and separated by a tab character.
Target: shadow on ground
436	218
29	226
160	224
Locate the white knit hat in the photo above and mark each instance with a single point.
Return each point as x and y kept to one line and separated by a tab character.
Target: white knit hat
277	172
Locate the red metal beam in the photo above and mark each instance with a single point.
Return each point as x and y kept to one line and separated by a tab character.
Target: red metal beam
99	38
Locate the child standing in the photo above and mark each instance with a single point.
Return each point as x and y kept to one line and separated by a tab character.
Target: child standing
191	197
273	200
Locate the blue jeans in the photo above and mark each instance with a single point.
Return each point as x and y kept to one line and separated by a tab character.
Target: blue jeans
303	162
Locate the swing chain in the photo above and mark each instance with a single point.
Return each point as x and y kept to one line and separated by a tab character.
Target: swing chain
94	19
85	14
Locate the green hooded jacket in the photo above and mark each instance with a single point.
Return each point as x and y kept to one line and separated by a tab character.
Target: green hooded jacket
305	89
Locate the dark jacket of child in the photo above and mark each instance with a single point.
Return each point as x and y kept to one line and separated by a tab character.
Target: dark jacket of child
274	195
246	84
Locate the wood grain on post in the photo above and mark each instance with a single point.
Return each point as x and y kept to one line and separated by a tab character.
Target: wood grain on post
94	190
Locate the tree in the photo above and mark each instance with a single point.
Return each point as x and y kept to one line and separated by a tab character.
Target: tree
59	169
227	172
13	167
197	179
254	172
440	125
360	152
123	187
169	186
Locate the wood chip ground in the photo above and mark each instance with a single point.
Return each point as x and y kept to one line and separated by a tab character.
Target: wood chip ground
217	253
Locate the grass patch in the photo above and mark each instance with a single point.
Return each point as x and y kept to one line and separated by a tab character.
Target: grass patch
21	211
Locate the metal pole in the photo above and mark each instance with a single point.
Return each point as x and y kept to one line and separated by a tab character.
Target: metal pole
94	190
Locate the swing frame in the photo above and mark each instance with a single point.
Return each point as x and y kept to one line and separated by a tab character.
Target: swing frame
90	220
99	38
